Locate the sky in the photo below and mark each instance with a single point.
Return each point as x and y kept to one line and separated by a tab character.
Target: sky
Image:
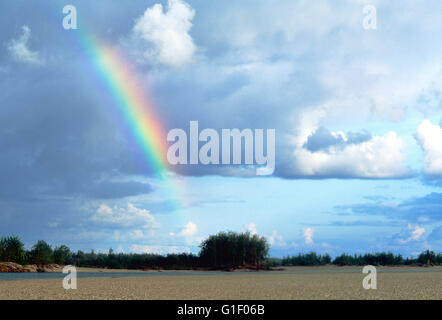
356	111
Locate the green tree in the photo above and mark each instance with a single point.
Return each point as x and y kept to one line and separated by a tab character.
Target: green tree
230	249
12	250
2	248
41	253
62	255
428	257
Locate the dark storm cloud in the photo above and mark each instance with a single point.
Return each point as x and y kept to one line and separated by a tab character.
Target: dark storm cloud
60	134
59	138
224	89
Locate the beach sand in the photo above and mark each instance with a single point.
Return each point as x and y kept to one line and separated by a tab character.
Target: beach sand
298	283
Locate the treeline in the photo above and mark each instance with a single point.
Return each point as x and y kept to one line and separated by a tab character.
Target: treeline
376	259
111	260
222	251
225	250
13	250
307	259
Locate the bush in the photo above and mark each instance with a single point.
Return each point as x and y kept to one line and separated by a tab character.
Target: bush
229	250
41	253
62	255
12	250
428	257
375	259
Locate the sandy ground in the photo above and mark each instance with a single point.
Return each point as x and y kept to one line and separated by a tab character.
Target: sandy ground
308	283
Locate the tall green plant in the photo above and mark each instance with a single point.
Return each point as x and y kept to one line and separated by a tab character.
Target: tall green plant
41	253
12	250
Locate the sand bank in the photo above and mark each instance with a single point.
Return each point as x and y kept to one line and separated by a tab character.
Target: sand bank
415	283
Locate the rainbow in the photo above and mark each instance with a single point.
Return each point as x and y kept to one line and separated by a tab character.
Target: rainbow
126	91
129	97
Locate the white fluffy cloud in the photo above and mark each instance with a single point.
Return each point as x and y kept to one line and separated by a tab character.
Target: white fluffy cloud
429	136
308	235
190	229
276	240
251	227
165	35
20	51
124	217
411	233
379	157
158	249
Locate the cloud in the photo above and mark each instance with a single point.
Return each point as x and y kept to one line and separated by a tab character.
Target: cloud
322	139
353	156
124	217
267	74
139	234
20	51
265	78
54	135
411	233
53	224
251	227
188	230
88	235
165	35
308	235
276	240
114	189
429	137
426	209
158	249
